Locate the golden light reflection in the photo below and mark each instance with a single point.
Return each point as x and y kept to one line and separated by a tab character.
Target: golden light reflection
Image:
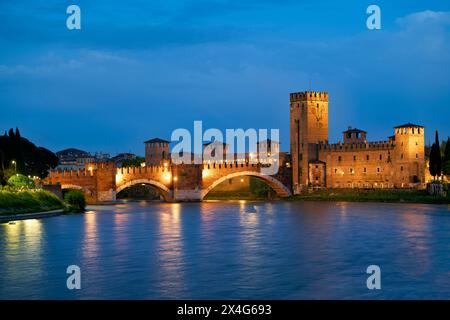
205	173
90	245
415	233
25	237
170	246
120	224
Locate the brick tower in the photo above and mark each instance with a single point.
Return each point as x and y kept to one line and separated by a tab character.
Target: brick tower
308	126
409	155
156	151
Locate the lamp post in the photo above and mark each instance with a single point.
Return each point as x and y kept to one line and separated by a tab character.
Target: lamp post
15	166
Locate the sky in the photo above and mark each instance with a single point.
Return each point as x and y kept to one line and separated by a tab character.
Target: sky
140	69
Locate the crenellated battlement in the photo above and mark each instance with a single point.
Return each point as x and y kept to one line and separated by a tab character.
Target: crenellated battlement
309	96
142	170
71	173
231	165
368	146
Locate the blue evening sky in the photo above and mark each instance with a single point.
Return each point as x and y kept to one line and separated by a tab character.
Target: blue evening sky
139	69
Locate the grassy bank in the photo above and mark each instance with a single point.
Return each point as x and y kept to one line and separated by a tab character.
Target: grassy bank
385	195
236	195
28	201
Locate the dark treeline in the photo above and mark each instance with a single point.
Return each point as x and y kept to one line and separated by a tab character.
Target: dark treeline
19	155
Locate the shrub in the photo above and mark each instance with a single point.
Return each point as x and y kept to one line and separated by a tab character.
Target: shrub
28	201
75	200
19	181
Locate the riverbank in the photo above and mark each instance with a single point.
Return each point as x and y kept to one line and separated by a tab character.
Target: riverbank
23	202
35	215
378	195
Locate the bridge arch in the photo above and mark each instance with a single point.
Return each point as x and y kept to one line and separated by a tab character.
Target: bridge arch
164	191
279	188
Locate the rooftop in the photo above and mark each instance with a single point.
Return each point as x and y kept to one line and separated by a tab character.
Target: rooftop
71	151
350	129
214	142
157	140
409	125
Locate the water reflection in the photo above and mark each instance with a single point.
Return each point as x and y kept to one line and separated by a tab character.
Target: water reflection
23	240
226	250
415	233
170	252
90	242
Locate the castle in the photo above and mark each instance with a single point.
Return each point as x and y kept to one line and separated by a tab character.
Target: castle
398	162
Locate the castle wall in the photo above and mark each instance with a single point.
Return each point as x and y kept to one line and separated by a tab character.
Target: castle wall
358	166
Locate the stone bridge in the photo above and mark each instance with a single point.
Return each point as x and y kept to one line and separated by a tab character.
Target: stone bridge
185	182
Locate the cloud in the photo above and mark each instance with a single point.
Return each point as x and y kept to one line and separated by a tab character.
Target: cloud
425	19
133	74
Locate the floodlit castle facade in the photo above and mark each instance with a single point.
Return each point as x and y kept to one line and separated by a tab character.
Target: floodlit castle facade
398	162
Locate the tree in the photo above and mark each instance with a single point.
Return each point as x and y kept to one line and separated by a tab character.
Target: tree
19	181
435	158
28	158
446	160
133	162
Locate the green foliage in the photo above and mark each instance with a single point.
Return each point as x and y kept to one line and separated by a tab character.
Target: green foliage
19	181
435	158
75	200
377	195
446	159
28	201
259	188
29	159
135	162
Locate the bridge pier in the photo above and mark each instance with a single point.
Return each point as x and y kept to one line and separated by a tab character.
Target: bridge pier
187	195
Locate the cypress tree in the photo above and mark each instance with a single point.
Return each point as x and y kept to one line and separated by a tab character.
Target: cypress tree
435	158
438	156
446	162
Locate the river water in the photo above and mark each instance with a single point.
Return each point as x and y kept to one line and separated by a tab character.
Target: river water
231	250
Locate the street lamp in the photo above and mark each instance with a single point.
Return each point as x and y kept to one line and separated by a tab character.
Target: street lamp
15	165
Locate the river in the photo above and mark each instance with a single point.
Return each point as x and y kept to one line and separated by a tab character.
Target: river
231	250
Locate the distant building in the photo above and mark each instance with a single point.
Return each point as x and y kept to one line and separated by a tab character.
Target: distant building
212	150
73	159
267	151
102	157
119	158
